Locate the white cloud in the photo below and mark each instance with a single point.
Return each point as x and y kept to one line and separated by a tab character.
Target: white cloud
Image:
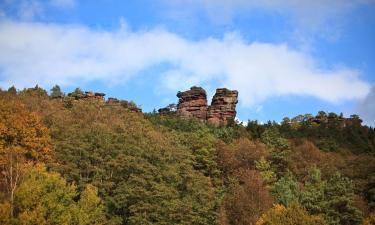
366	108
47	54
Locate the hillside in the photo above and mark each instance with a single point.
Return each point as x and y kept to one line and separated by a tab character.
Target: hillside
83	159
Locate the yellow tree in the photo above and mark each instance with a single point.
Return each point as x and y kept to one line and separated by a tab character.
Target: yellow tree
292	215
23	139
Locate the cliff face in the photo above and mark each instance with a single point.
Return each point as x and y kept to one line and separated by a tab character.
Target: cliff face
193	104
223	106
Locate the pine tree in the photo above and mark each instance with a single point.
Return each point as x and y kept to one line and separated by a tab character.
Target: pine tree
56	92
333	199
339	205
265	169
313	196
285	190
12	90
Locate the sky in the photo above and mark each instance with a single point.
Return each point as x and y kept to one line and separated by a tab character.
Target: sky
285	57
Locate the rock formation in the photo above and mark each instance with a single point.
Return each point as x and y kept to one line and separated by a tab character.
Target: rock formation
131	106
114	102
192	104
223	107
171	109
87	95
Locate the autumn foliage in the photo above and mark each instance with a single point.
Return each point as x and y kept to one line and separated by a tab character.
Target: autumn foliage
68	160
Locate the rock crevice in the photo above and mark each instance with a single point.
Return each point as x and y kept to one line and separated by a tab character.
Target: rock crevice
193	104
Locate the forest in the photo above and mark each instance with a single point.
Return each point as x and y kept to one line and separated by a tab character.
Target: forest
69	161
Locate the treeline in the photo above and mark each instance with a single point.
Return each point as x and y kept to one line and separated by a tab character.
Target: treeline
84	163
329	131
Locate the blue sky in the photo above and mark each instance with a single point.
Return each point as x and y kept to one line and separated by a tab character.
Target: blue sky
286	57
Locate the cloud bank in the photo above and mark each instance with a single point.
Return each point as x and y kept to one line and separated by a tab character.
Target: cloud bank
38	53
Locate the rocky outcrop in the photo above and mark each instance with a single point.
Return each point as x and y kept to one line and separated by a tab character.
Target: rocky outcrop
192	104
131	106
171	109
87	95
111	102
223	107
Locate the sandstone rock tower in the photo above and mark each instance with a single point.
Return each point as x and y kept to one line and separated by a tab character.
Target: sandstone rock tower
192	103
223	106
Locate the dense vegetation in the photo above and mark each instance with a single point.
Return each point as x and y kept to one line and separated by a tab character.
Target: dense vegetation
67	161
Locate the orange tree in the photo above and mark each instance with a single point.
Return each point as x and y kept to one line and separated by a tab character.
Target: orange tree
23	139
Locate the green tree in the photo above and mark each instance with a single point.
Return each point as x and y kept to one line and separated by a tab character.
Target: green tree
333	199
12	90
313	195
254	129
77	93
56	92
91	208
144	175
285	190
265	169
35	91
339	203
46	198
272	138
279	150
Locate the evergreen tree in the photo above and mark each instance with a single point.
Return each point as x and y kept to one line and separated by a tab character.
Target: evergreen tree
35	91
313	196
285	190
12	90
56	92
333	199
265	169
339	203
279	150
77	93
